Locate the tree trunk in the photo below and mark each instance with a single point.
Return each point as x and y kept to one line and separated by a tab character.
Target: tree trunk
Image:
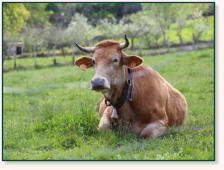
140	48
48	52
194	41
63	52
164	39
54	53
14	60
148	42
132	43
35	60
168	43
157	45
199	35
180	38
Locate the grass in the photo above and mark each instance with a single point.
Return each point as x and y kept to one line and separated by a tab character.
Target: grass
28	63
49	114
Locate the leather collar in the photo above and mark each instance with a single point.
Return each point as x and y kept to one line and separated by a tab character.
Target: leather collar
126	92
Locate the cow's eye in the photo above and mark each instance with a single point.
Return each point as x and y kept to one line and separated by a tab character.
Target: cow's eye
93	62
115	60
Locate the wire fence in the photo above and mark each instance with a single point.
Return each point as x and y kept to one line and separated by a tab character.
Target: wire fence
18	63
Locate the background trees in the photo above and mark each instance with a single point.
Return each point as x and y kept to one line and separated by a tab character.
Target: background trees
181	18
14	18
43	26
80	30
202	23
104	10
163	14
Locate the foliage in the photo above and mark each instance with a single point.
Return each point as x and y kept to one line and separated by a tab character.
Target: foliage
80	30
14	18
111	30
32	38
135	25
58	25
63	13
50	114
181	18
103	10
39	16
164	14
201	25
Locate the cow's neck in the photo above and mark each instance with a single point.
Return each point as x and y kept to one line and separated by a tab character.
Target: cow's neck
116	90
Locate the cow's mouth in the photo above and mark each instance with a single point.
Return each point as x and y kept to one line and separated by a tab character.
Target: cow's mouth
100	89
100	84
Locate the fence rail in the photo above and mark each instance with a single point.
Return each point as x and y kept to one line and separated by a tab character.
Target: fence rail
69	60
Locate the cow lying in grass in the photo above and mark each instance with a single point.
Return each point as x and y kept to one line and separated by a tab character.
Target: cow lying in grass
132	91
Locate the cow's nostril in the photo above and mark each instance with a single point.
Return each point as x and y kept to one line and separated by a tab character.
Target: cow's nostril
97	83
101	81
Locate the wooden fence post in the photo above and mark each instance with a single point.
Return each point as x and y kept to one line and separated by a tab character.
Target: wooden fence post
140	48
35	56
54	53
15	60
73	58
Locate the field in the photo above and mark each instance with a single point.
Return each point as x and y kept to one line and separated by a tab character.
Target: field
49	114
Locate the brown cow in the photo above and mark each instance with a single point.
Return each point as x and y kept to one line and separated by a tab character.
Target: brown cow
132	91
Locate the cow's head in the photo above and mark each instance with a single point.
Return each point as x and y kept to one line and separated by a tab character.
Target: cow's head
109	62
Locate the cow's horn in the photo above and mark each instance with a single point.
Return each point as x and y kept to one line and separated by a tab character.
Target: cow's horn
85	49
125	44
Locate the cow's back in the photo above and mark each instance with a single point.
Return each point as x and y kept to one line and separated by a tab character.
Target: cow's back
155	98
176	105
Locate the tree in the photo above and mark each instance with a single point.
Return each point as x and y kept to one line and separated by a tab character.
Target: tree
104	10
144	25
183	11
109	29
135	25
14	18
163	14
80	30
156	33
39	15
201	24
63	13
132	31
32	38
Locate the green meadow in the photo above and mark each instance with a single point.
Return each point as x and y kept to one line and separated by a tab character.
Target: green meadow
49	113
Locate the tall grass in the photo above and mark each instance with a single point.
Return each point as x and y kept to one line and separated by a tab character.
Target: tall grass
50	114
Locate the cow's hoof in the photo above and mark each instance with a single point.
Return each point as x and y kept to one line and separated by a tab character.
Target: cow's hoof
153	130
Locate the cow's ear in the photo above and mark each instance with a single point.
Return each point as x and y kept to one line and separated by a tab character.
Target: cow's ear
132	61
84	63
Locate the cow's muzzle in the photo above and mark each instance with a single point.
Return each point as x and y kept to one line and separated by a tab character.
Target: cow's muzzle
99	84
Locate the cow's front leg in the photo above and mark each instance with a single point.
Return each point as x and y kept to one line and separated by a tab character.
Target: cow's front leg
153	129
105	119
